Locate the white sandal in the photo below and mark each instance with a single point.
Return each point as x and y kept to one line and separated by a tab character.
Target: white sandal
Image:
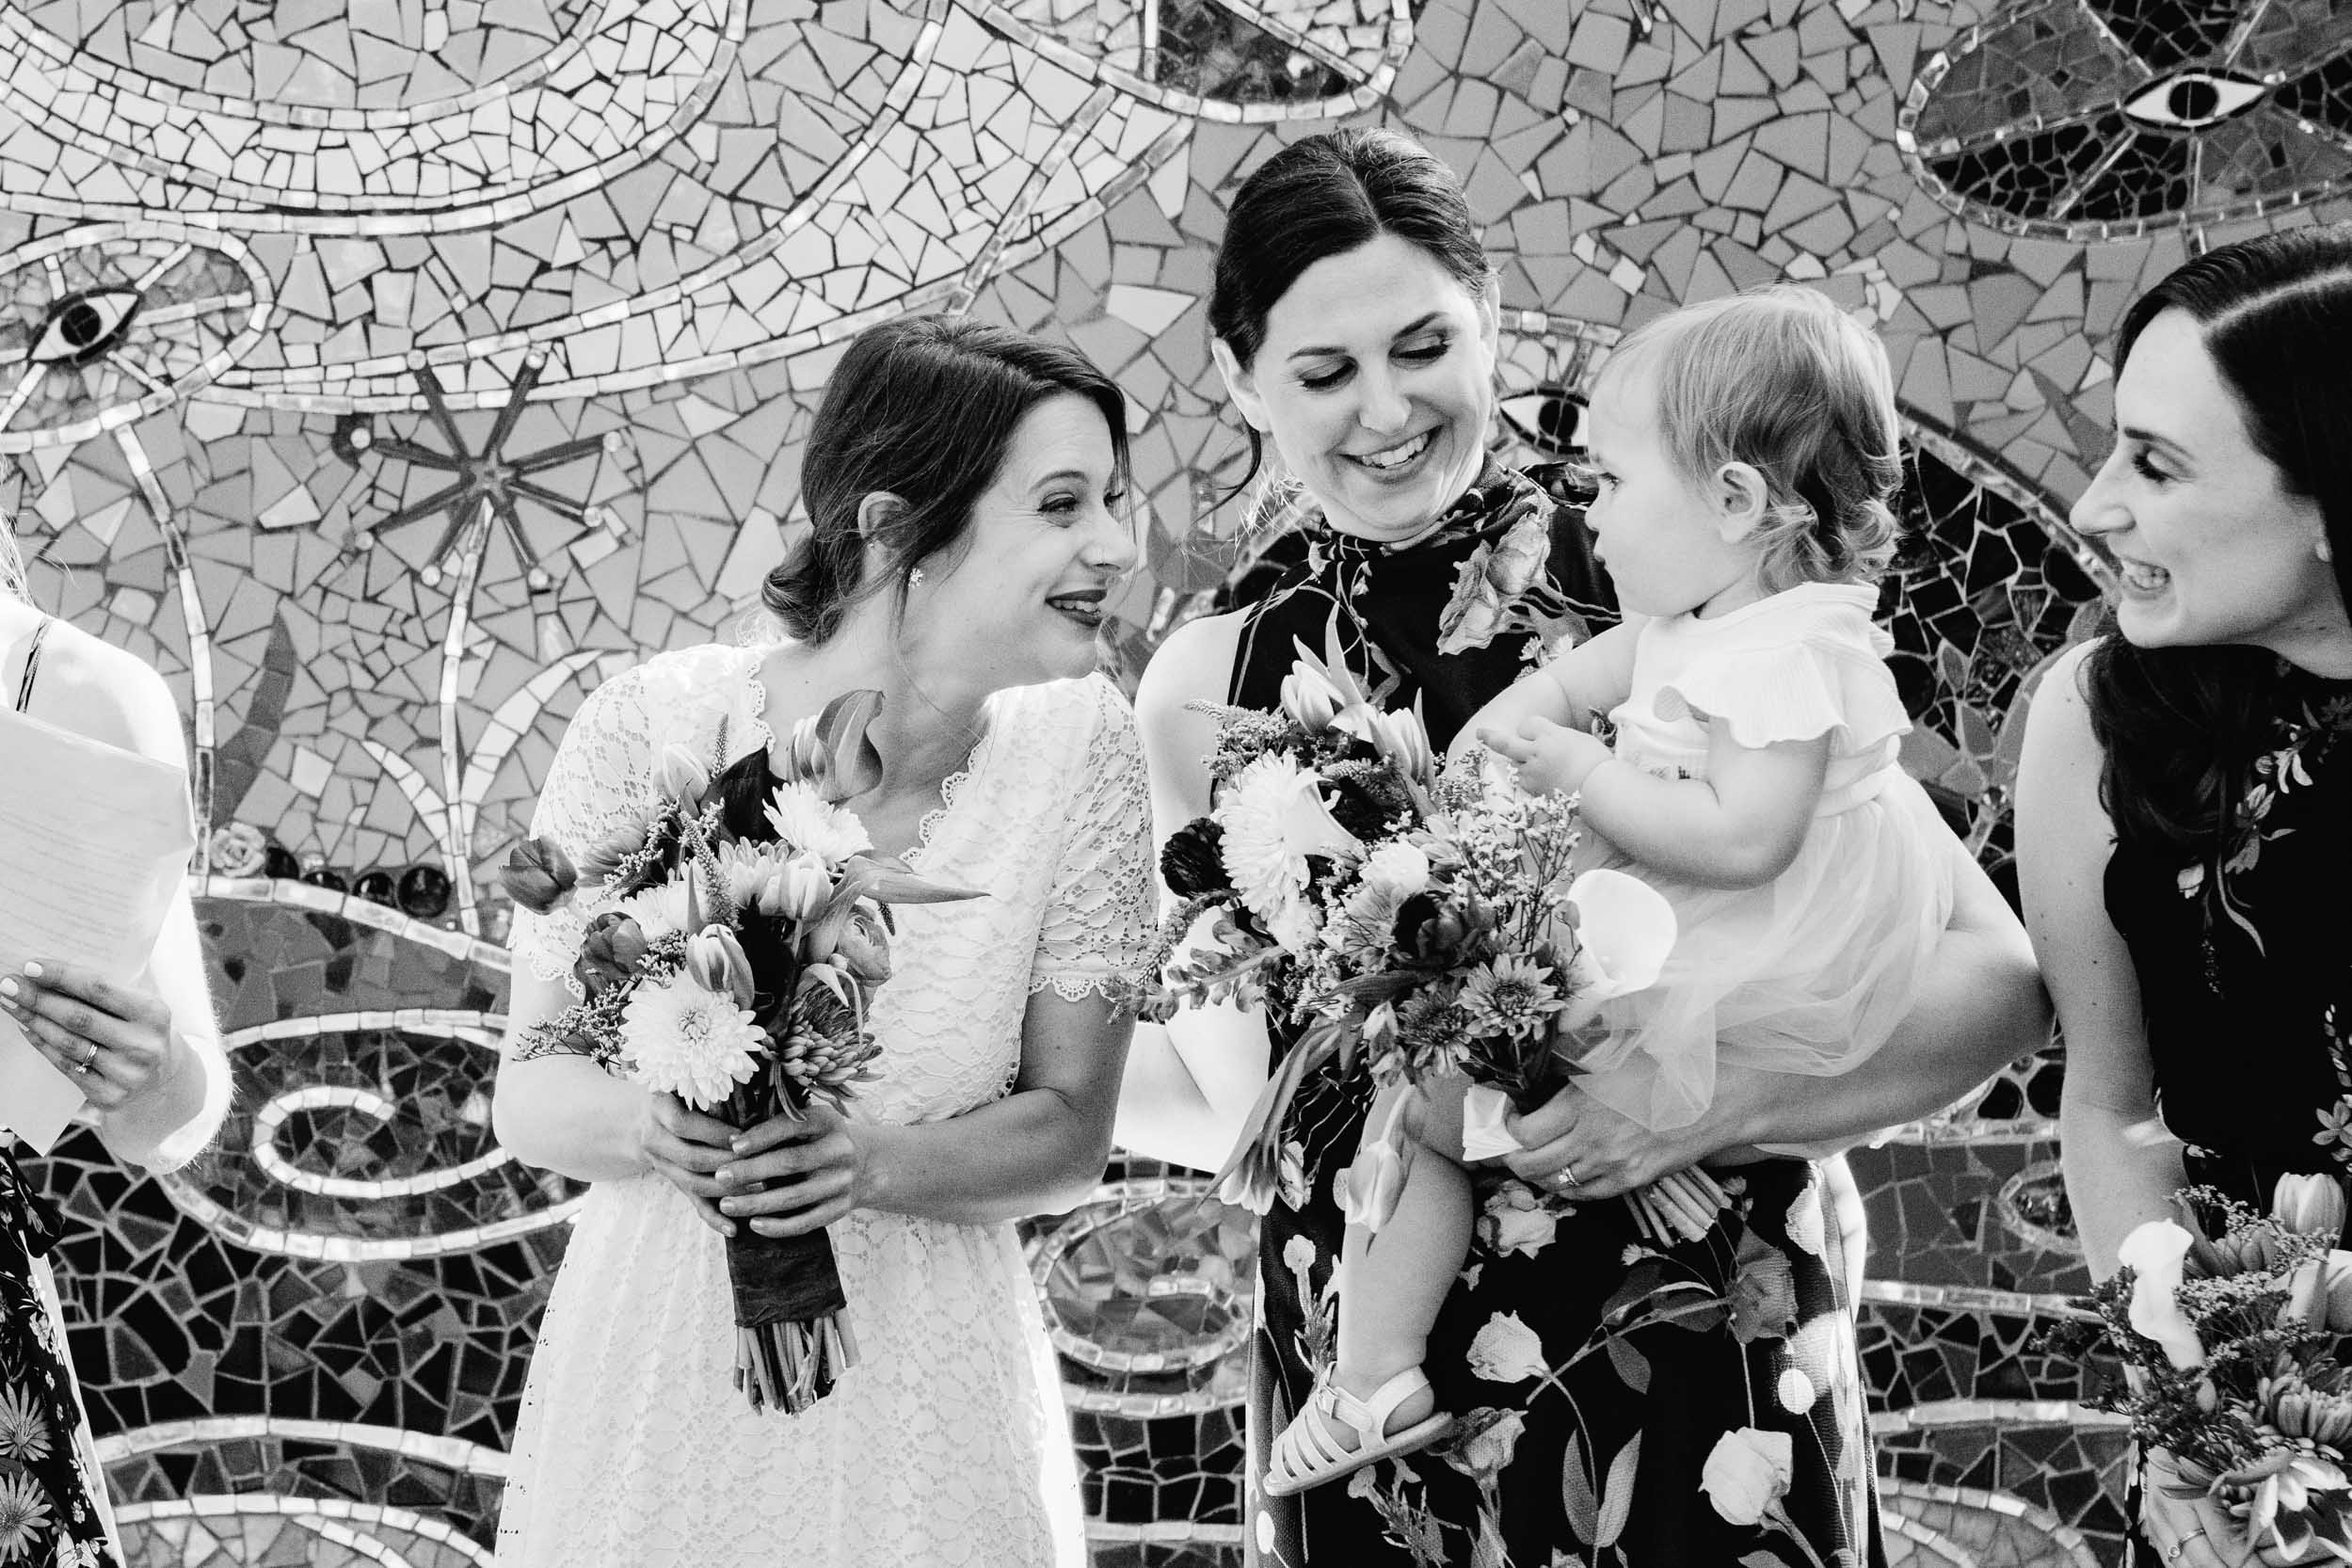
1308	1451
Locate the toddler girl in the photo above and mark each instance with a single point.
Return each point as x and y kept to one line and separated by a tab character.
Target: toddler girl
1745	451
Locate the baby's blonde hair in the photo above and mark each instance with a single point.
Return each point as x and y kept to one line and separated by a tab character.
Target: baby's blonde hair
1782	380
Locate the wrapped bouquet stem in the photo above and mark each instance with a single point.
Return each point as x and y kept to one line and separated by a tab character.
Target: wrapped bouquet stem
740	933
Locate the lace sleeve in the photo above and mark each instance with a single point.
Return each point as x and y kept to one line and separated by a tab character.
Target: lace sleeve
601	780
1097	927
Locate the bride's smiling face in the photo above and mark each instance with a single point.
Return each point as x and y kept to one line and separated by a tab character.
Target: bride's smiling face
1020	598
1375	382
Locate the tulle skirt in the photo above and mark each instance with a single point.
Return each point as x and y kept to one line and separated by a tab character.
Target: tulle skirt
1807	974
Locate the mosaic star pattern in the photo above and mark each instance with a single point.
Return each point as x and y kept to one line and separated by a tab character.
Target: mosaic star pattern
272	277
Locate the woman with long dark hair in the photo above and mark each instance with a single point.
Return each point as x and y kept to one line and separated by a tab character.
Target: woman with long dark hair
146	1055
964	484
2184	799
1356	318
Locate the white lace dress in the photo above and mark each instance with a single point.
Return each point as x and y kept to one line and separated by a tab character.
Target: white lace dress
947	1444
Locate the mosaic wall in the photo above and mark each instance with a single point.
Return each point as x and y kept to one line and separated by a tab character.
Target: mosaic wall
390	372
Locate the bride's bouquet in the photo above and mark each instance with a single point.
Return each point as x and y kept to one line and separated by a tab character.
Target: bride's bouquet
2233	1326
1433	923
734	968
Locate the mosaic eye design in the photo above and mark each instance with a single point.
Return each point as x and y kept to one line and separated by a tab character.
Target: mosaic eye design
2090	119
82	326
1550	419
101	326
2193	99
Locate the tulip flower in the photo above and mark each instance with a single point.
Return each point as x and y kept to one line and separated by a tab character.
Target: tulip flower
683	777
715	961
862	951
1310	699
539	874
1401	740
802	886
609	953
2308	1205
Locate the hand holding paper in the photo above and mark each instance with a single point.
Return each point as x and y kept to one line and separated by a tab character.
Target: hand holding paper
94	841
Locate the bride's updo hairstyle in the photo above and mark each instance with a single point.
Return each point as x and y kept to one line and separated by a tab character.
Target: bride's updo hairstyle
2180	725
921	409
1324	197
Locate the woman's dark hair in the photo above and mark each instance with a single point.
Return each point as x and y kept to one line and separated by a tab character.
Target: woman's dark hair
2177	724
922	409
1324	197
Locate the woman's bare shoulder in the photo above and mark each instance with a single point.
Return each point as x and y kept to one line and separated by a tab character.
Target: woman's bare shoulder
1195	663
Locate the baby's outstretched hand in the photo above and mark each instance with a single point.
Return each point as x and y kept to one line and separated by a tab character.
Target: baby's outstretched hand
1550	756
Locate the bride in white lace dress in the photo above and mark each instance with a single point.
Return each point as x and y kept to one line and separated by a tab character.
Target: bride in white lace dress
958	564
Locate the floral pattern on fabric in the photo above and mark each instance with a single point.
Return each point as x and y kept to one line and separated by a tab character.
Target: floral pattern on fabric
2244	958
49	1478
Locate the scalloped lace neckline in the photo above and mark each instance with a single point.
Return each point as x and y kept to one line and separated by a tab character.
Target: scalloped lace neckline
951	788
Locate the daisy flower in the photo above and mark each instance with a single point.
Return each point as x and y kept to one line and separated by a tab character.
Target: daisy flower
688	1042
24	1429
1273	818
1511	996
23	1516
806	820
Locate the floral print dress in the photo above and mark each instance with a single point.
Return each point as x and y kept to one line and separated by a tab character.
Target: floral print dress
2244	958
1618	1404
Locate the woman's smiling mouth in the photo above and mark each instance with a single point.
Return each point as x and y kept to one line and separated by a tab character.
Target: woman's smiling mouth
1085	606
1396	458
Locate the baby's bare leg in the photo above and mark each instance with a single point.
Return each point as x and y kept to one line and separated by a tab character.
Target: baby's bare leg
1392	1284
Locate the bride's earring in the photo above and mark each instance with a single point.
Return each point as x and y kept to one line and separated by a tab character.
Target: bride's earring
2326	554
913	576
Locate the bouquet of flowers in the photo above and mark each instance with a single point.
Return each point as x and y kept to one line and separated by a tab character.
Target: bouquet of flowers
2232	1325
735	971
1433	922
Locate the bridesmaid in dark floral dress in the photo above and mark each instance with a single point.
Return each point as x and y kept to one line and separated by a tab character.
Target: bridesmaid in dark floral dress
1619	1404
2184	800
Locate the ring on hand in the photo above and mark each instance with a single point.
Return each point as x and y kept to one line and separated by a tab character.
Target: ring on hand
1567	1176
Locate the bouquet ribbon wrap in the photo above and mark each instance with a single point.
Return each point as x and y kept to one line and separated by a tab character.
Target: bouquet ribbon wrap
792	1318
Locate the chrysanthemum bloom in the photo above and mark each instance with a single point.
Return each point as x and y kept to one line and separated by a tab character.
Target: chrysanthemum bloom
658	911
23	1516
746	871
806	820
690	1042
1511	996
1274	816
24	1429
